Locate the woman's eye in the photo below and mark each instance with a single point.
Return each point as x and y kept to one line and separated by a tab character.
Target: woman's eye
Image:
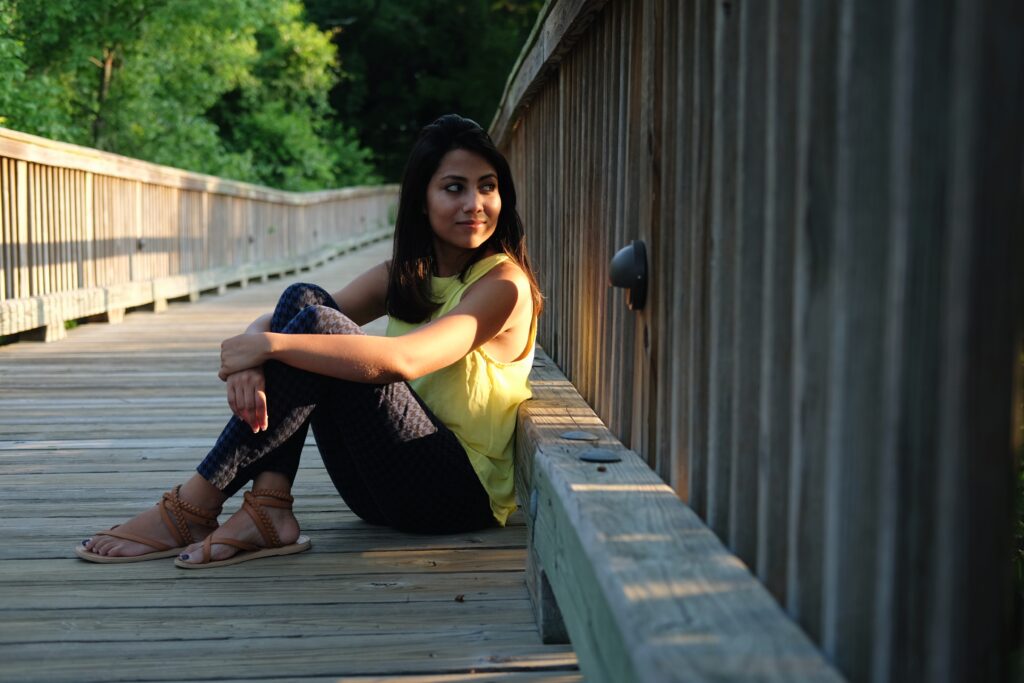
489	187
454	187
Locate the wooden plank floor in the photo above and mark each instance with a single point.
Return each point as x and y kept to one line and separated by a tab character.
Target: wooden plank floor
95	427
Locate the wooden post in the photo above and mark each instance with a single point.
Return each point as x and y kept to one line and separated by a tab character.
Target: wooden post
23	284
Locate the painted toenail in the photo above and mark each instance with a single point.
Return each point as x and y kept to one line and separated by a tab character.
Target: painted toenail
85	542
184	556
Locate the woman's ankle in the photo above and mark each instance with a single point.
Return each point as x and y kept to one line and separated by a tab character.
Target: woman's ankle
274	481
202	493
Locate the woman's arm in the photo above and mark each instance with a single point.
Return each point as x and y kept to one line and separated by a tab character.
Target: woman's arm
363	299
484	312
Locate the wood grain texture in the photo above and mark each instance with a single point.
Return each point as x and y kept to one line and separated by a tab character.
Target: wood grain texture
831	199
94	428
646	590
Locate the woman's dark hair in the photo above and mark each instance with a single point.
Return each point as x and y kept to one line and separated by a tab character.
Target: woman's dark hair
413	261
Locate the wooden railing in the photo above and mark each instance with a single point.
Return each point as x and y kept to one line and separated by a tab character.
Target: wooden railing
86	233
831	198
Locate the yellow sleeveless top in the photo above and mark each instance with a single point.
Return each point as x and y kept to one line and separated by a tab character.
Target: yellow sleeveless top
477	397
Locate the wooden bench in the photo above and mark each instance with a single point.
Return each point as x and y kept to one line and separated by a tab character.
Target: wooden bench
644	590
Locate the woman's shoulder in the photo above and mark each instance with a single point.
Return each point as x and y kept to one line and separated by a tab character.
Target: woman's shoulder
499	277
507	269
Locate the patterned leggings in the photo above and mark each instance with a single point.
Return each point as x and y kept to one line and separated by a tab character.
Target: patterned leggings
390	458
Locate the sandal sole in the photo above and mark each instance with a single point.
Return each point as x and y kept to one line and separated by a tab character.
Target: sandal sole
301	545
114	559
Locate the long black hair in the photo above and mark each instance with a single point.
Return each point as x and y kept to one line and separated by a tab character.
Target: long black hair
413	261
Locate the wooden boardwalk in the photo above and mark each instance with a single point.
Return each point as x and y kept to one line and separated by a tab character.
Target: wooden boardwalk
95	427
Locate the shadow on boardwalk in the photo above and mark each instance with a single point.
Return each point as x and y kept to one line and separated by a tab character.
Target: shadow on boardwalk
95	427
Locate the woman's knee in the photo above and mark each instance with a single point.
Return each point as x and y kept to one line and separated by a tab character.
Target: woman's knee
306	294
320	319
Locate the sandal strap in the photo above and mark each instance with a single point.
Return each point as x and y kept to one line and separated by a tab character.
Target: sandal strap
177	513
135	538
279	499
253	505
234	542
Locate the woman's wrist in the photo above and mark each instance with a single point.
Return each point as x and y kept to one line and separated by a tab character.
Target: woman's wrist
272	345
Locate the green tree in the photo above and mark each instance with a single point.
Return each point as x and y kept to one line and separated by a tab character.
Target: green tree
408	62
29	102
236	88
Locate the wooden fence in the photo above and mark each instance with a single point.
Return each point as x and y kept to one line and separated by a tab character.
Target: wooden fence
831	198
84	232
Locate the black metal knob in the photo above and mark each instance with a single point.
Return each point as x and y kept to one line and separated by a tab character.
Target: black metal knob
629	271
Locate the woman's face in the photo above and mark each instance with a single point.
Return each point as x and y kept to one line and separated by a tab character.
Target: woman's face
463	204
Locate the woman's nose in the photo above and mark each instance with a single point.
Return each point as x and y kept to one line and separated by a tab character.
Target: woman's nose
474	203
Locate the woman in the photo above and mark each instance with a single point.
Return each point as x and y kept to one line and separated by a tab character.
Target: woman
414	428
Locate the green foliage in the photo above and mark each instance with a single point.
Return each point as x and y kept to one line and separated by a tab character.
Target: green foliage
250	89
236	88
34	103
408	62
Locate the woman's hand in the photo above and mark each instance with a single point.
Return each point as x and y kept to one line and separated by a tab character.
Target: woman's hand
241	353
248	398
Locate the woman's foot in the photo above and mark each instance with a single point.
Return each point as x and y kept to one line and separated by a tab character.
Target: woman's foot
191	508
242	527
270	499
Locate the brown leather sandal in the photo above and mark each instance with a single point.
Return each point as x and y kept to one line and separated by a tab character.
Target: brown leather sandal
253	503
176	514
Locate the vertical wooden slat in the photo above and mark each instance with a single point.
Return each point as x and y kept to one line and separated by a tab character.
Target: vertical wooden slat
746	342
776	360
985	205
811	310
704	67
645	329
722	270
36	267
72	200
89	217
630	371
135	234
667	232
50	204
54	202
855	376
897	654
6	223
677	142
68	201
77	236
41	229
70	281
24	271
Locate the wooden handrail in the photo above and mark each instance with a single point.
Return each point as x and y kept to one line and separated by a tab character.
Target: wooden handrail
85	232
38	150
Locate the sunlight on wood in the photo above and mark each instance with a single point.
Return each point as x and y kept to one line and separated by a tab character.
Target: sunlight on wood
638	538
664	590
624	488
